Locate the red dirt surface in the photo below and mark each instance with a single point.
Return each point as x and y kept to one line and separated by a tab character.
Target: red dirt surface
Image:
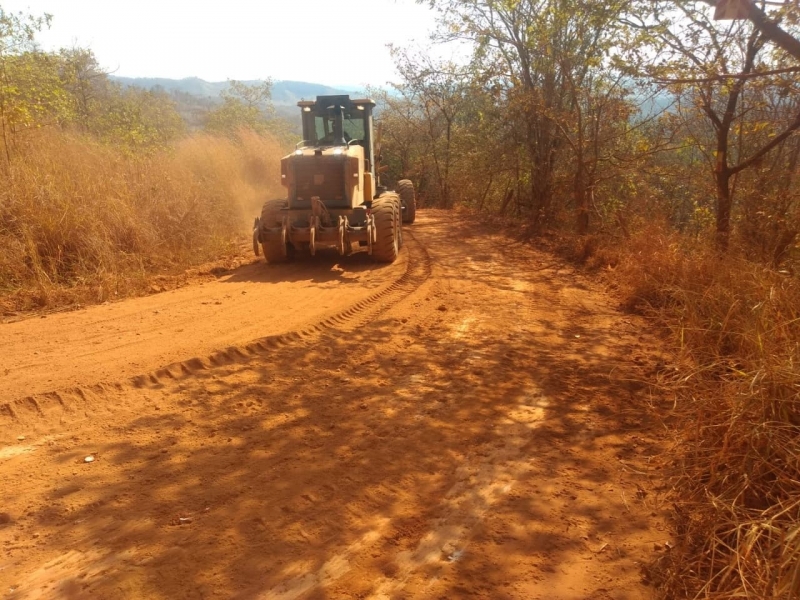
473	421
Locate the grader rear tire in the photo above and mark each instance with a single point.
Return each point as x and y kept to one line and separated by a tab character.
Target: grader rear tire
405	189
386	212
271	215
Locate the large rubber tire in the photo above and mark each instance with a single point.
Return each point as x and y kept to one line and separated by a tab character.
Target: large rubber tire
405	189
271	216
386	212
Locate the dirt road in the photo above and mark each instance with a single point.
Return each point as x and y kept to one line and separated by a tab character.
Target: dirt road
468	422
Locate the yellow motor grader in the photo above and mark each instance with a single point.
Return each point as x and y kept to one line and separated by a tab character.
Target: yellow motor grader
334	197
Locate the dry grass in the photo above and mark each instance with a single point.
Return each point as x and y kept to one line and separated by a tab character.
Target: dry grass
81	221
737	469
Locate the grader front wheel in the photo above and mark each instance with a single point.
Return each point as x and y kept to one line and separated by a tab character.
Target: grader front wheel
274	248
386	212
405	189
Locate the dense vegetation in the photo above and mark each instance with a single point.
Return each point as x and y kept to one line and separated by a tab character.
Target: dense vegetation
660	145
102	186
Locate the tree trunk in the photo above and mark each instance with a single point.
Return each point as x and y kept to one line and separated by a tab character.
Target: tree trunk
581	191
581	196
507	201
540	154
724	204
485	192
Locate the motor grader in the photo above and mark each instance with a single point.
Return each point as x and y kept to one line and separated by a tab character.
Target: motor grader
334	196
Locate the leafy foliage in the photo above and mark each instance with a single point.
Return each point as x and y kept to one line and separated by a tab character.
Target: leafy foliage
246	107
602	114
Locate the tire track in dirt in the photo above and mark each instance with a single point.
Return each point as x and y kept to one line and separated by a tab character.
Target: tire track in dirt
71	400
417	272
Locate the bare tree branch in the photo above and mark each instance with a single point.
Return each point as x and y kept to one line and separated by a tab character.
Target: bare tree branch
716	78
769	29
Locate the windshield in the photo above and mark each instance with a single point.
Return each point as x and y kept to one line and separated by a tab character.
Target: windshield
353	126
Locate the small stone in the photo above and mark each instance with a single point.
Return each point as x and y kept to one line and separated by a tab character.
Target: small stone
363	406
442	308
21	438
89	459
5	518
455	556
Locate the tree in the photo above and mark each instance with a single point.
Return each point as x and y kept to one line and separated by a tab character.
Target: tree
717	63
86	83
243	106
544	54
139	119
438	92
29	81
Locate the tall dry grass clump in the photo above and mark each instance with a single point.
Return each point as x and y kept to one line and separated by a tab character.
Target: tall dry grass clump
87	221
737	403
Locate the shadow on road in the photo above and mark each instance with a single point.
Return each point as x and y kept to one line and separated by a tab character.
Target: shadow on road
327	265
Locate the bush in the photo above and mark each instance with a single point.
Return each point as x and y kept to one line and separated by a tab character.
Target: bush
737	329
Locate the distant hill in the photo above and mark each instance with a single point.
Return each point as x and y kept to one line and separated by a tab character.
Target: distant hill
284	93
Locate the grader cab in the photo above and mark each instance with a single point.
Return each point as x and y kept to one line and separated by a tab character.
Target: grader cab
334	197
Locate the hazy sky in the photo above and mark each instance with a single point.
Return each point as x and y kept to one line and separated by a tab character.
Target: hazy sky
322	41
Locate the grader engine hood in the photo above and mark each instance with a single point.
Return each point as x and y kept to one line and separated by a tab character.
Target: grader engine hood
333	174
